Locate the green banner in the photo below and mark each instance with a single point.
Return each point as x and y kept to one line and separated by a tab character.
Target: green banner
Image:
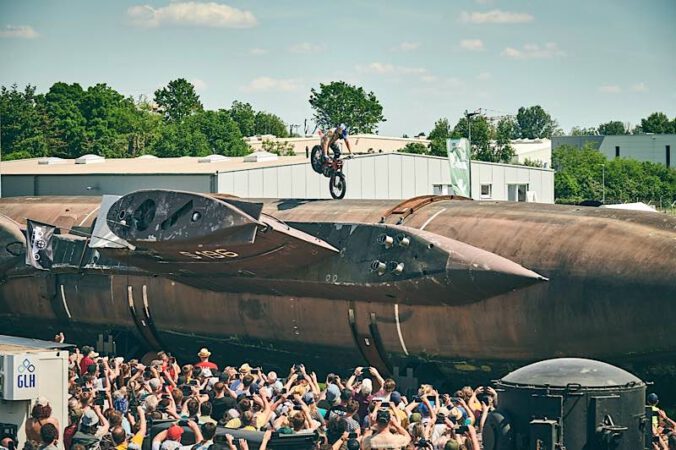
459	162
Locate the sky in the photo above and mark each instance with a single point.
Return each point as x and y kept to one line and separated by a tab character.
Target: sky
586	62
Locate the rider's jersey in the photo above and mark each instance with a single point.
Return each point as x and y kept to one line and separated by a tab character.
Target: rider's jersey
337	134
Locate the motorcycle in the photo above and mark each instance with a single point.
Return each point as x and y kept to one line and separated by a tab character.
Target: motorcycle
332	168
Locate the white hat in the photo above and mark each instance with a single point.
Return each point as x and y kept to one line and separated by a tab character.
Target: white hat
42	401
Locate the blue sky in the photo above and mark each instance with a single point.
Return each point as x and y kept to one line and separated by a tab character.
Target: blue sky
584	61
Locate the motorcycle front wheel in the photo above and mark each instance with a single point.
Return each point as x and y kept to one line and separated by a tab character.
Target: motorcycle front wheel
337	185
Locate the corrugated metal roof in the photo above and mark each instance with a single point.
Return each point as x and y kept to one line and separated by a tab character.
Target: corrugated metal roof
21	344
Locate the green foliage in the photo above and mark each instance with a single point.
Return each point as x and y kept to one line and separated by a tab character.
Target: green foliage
658	123
417	148
178	100
69	121
201	134
281	148
612	128
252	123
438	136
266	123
532	163
23	122
580	174
578	131
339	102
535	123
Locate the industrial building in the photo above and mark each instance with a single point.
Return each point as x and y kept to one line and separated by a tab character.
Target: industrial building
657	148
264	175
361	143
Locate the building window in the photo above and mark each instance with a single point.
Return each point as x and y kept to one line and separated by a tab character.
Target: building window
517	192
668	156
617	151
442	189
486	191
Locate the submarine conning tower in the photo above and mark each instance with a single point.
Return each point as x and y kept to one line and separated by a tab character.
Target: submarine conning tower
569	403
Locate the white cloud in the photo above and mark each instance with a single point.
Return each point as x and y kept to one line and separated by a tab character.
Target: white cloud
495	16
483	76
209	14
610	89
18	31
306	48
199	84
271	84
406	47
379	68
639	87
258	51
534	51
472	44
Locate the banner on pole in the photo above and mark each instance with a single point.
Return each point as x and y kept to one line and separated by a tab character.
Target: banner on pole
39	252
459	162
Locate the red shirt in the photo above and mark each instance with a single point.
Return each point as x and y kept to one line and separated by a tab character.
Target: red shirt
68	435
85	363
206	365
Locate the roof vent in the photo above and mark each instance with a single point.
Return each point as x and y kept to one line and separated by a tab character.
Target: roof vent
52	160
213	159
146	157
90	159
260	157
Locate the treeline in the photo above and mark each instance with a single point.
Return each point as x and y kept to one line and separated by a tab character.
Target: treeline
69	121
585	174
490	138
656	123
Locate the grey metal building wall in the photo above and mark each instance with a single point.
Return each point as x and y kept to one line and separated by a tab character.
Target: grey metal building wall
99	184
384	176
657	148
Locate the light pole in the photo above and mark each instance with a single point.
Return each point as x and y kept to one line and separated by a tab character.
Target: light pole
603	182
469	115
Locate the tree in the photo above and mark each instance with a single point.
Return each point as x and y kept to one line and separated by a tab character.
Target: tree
281	148
339	102
245	117
438	136
535	123
505	131
266	123
658	123
178	100
481	136
23	123
580	176
66	126
201	134
579	131
612	128
417	148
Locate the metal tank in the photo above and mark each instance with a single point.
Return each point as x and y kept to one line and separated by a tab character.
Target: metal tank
568	403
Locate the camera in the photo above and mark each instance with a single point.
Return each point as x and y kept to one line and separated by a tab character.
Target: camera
352	435
383	416
423	443
462	429
186	389
297	407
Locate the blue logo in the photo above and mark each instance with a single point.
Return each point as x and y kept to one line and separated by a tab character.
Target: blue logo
26	366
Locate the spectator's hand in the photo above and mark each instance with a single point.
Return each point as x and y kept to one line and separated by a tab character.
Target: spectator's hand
358	371
229	438
267	435
373	370
60	338
243	444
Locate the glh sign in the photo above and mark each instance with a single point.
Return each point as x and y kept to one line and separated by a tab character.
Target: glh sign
21	377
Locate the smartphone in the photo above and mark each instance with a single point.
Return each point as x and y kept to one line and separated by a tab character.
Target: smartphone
298	407
462	429
385	405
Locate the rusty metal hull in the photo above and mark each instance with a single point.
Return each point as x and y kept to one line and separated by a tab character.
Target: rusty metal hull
611	290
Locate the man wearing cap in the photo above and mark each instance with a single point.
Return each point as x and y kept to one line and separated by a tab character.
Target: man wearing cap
170	439
93	426
382	437
204	363
89	355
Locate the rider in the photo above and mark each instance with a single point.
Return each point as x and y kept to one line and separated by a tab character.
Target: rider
330	140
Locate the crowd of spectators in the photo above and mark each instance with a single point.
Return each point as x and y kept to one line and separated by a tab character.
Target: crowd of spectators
113	400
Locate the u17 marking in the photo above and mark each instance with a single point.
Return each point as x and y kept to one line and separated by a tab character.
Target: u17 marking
219	253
